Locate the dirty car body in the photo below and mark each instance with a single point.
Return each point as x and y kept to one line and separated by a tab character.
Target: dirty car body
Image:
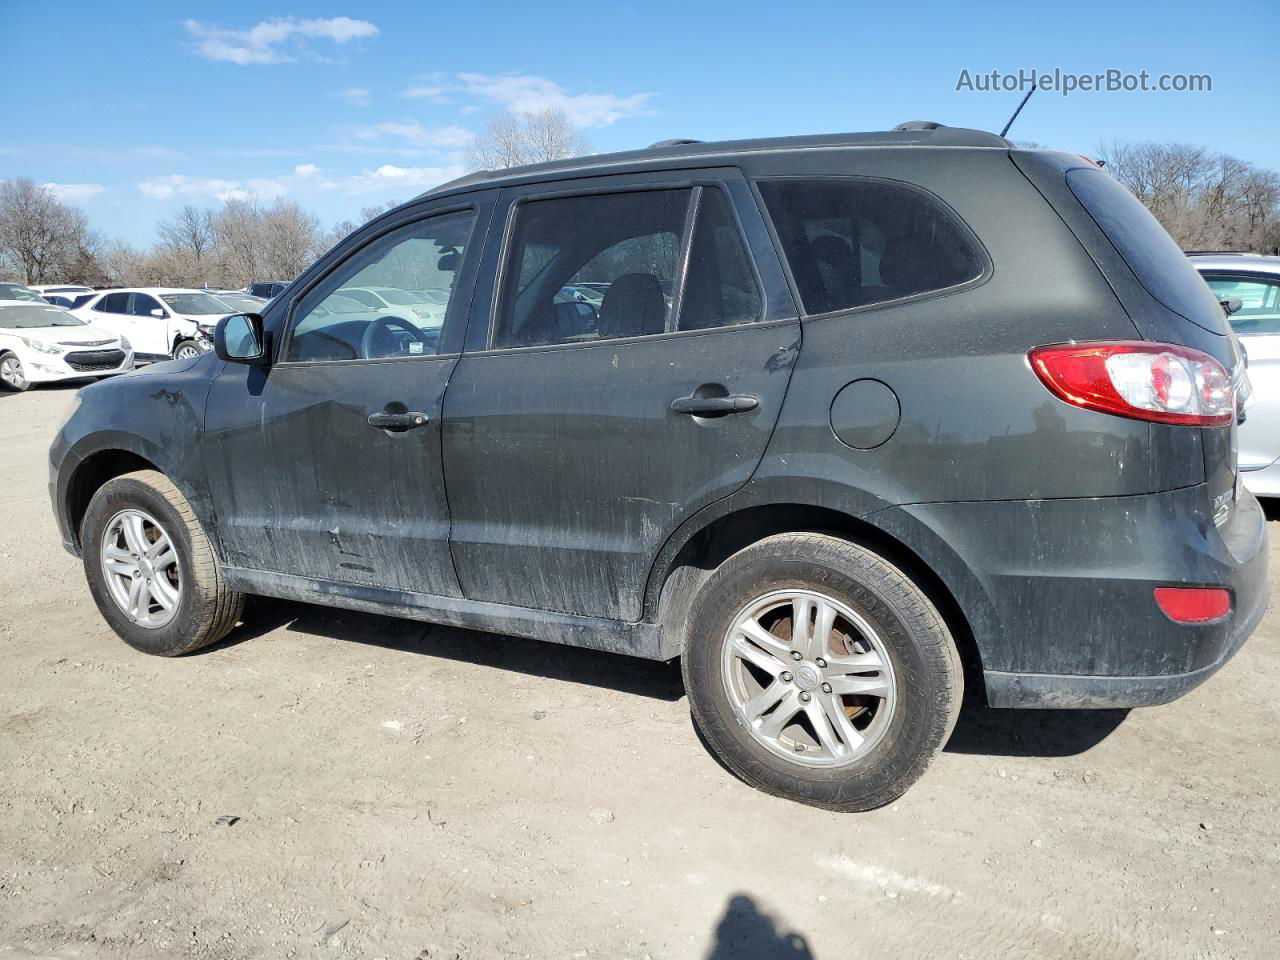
774	354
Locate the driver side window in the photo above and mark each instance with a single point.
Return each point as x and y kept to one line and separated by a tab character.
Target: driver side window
389	299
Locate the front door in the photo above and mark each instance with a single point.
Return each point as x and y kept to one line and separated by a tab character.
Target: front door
627	358
326	465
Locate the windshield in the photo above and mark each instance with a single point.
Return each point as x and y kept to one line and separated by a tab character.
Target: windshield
19	316
16	291
398	297
195	304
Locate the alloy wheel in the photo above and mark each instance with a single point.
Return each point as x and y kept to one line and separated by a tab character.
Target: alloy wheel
11	372
141	568
808	678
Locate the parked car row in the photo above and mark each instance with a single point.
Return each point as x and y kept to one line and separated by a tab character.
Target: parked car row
113	328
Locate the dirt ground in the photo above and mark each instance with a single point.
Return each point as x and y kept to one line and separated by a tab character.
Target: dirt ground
406	791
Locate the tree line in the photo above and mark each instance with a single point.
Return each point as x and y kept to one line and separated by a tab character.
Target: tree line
1205	199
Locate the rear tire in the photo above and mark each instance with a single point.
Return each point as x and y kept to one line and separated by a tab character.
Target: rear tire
182	602
873	696
12	376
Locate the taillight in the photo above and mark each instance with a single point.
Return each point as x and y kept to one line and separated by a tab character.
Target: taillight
1160	382
1193	604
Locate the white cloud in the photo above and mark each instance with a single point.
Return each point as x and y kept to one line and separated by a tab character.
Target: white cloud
391	177
451	136
306	170
281	40
356	96
526	93
435	92
176	184
74	192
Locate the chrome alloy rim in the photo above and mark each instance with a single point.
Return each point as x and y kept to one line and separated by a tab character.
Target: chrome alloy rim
809	678
11	371
141	568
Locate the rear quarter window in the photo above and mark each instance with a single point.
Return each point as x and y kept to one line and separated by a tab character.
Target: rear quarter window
853	242
1158	263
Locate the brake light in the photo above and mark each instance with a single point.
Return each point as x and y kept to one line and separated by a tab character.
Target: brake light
1193	604
1160	382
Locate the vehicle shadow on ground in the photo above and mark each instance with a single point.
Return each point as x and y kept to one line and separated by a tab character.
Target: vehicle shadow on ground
747	933
645	678
1031	733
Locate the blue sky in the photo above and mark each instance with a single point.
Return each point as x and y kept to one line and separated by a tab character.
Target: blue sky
132	109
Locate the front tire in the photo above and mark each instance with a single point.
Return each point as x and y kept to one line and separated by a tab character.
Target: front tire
12	375
818	671
185	350
151	569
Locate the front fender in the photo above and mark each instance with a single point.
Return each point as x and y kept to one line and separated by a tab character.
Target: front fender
155	415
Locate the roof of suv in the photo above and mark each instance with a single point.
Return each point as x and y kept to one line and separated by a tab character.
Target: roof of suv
919	135
1235	261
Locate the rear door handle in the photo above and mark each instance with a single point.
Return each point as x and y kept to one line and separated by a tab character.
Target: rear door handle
707	406
398	421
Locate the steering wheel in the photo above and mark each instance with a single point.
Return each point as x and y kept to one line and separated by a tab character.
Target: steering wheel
387	325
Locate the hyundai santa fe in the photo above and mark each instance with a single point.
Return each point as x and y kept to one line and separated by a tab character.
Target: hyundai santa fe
854	421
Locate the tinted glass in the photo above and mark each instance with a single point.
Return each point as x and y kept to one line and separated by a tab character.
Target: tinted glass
30	316
720	288
591	268
1259	311
196	304
1150	252
114	303
856	242
341	319
142	305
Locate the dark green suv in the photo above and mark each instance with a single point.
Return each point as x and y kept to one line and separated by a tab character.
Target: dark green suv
843	422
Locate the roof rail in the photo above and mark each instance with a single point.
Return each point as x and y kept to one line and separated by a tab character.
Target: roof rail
1216	253
918	125
674	142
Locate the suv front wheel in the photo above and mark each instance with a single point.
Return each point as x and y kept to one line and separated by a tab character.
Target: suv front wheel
151	569
818	671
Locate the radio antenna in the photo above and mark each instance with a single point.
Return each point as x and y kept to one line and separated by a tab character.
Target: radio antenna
1018	111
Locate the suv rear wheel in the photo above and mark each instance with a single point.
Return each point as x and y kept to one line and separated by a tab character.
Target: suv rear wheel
151	570
818	671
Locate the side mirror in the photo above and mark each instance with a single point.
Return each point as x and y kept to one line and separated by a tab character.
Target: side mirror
239	338
157	312
449	261
1231	306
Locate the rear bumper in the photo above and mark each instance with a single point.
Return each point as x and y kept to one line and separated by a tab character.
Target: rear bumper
1059	594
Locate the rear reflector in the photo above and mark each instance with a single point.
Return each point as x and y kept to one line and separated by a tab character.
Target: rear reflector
1160	382
1193	604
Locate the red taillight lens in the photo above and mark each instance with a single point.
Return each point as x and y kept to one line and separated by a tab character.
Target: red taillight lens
1160	382
1193	604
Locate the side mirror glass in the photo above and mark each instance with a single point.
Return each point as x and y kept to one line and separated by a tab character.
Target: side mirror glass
239	338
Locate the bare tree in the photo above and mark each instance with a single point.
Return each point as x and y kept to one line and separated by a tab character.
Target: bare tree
40	237
190	231
290	240
516	139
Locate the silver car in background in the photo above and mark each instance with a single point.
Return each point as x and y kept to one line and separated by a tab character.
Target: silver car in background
1255	282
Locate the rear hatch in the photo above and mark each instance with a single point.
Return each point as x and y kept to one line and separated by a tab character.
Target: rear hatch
1159	289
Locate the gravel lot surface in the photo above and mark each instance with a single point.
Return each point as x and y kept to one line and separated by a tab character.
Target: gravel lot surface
406	791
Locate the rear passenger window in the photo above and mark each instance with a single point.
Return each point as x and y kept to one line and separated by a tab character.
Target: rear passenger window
113	303
605	267
854	242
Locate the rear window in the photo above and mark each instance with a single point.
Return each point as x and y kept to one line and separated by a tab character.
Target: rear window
1143	244
854	242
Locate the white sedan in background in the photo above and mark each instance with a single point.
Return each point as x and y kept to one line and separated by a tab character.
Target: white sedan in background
1255	282
41	343
160	322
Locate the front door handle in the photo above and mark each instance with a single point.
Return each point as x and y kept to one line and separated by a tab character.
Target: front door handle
398	422
712	406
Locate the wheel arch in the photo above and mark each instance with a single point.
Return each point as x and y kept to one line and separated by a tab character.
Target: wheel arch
86	470
711	537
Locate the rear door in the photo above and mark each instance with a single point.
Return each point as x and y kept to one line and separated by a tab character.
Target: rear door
628	354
